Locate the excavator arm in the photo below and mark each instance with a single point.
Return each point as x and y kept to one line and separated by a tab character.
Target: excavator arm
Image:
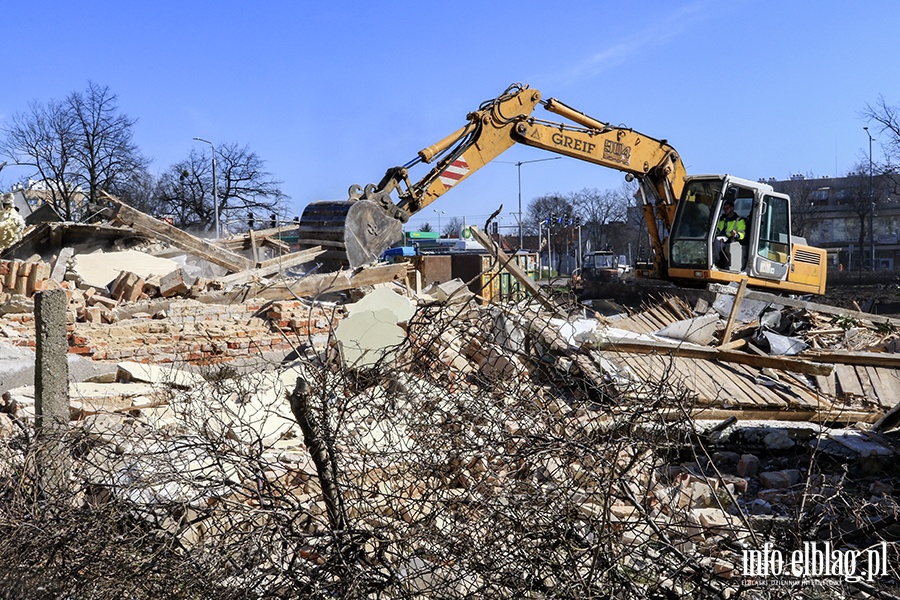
360	229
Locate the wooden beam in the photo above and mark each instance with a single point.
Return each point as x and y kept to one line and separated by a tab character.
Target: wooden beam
158	229
735	307
241	241
835	415
509	265
273	265
868	359
313	285
773	362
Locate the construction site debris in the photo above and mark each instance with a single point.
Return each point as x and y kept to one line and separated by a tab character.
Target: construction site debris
432	443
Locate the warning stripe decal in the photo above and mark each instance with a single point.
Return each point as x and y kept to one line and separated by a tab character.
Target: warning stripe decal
458	169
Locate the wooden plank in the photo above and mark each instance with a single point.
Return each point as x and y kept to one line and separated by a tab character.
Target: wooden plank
638	365
817	416
882	393
807	390
739	394
313	285
761	393
826	384
655	316
702	352
289	260
866	383
813	396
735	307
511	267
263	236
794	396
273	265
870	359
187	242
847	380
891	380
646	324
706	386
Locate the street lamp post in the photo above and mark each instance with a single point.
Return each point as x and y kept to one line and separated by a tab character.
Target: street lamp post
215	183
871	205
550	247
580	257
439	213
540	239
519	172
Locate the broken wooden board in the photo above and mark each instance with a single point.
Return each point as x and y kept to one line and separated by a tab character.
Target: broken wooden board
265	237
155	228
814	416
313	285
273	265
705	353
509	265
868	359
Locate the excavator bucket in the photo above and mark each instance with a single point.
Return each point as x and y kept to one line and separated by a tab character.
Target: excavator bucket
353	233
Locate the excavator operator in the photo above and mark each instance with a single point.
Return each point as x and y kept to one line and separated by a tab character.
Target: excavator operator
731	228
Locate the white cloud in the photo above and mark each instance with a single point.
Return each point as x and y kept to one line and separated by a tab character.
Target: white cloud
638	40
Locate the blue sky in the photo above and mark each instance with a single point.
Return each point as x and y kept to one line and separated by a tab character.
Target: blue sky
331	94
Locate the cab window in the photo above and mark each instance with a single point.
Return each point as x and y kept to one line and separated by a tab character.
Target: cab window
774	230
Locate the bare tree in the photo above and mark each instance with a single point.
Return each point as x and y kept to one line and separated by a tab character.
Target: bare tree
888	119
245	189
44	137
80	145
244	184
857	196
803	212
106	155
453	227
557	214
598	210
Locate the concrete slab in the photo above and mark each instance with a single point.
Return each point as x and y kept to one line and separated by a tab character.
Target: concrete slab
99	269
385	298
368	336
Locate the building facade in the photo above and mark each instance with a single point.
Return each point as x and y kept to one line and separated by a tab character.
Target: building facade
855	218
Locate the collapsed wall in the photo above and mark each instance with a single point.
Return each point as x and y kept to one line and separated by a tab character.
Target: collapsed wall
190	331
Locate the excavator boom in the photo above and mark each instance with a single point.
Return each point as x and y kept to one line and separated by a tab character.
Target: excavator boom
359	229
680	211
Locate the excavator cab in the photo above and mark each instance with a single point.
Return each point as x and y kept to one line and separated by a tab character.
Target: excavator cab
768	255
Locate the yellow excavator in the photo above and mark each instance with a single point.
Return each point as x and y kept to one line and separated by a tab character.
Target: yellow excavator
682	212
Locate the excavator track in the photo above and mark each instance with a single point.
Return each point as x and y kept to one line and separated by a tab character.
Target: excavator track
353	233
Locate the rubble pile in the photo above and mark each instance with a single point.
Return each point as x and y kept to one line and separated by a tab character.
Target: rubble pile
424	444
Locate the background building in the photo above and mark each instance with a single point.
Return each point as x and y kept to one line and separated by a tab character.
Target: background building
855	218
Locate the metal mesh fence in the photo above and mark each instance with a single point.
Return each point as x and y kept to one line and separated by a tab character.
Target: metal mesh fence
483	457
